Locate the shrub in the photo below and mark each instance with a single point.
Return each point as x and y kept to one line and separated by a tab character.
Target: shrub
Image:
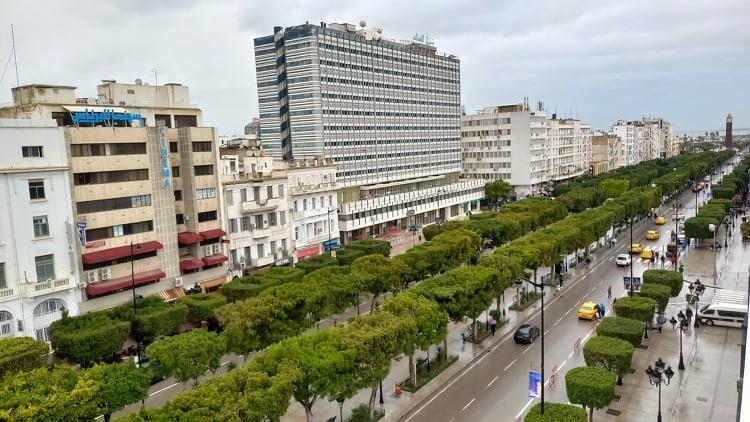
697	227
153	317
626	329
247	287
347	256
201	306
88	338
315	263
284	274
745	229
657	292
590	386
21	354
371	246
613	354
637	308
722	192
672	279
556	412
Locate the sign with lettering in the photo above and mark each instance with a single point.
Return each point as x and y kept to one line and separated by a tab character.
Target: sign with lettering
105	115
82	232
95	244
166	169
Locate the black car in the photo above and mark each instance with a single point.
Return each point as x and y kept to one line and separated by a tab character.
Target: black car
526	334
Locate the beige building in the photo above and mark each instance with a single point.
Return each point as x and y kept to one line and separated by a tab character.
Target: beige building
144	185
599	153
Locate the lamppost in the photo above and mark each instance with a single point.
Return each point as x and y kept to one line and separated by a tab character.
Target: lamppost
726	233
412	226
340	401
657	376
132	281
381	392
683	326
330	229
713	229
541	285
629	221
696	290
676	208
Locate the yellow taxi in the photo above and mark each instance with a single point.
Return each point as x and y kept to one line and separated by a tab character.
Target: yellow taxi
660	220
587	311
652	235
647	253
636	248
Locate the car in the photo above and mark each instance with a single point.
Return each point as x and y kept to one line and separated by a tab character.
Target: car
636	248
587	311
660	220
678	217
652	235
623	260
526	333
647	253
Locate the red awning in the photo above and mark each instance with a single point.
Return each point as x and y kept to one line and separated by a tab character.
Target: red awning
212	234
188	238
215	259
308	252
190	264
120	252
121	283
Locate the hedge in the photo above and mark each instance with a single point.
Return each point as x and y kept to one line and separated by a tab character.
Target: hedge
610	353
556	412
590	386
347	256
697	227
672	279
201	306
722	192
88	338
19	354
153	317
658	293
638	308
626	329
315	263
247	287
371	246
284	274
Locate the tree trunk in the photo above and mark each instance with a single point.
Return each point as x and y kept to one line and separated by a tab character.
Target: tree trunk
474	330
107	417
308	413
358	302
497	304
412	370
591	413
534	280
619	379
373	397
374	301
445	345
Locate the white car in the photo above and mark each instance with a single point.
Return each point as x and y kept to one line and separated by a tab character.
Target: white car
678	217
622	260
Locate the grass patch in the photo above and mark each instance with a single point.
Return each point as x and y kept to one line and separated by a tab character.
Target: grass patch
526	300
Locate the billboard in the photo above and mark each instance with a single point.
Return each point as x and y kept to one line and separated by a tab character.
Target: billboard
535	383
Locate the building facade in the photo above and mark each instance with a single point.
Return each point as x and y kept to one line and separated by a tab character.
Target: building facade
144	187
38	268
568	149
255	195
647	139
386	112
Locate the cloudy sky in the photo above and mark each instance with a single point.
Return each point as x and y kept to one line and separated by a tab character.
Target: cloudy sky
685	60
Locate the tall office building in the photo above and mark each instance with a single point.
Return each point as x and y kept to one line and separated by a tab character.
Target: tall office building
386	112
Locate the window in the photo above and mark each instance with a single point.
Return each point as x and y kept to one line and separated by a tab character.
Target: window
206	216
176	171
49	306
272	220
178	195
117	176
3	282
180	218
282	217
273	246
45	267
205	193
304	204
260	251
111	204
201	146
256	193
173	147
259	221
41	227
206	170
295	206
119	230
243	195
32	151
36	190
245	224
296	232
6	324
281	191
269	190
232	225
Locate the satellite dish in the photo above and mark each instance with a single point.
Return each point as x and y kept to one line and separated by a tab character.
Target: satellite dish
362	23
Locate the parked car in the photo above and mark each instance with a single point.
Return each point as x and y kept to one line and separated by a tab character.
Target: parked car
526	333
678	217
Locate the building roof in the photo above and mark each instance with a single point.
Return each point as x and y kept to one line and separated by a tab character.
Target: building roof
46	86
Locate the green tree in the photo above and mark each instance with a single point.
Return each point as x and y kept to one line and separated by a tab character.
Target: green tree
507	271
201	306
698	227
658	293
118	385
153	317
21	354
88	338
188	355
672	279
380	275
498	189
638	308
591	387
371	246
615	187
42	395
315	263
626	329
613	354
555	412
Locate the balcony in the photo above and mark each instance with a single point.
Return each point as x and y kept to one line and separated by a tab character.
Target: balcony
45	287
261	205
6	293
259	232
313	188
262	262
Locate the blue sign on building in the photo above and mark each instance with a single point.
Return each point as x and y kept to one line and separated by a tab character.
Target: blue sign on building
105	115
82	232
333	244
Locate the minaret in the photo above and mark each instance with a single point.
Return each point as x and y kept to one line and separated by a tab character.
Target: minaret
728	134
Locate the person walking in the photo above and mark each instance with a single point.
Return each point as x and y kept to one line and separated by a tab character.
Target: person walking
493	326
609	292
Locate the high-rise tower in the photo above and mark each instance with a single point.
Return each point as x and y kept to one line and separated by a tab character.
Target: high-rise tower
728	134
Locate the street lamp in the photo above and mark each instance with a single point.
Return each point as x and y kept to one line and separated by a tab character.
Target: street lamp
629	221
676	208
330	229
132	281
340	400
412	227
714	229
683	326
657	376
696	290
541	285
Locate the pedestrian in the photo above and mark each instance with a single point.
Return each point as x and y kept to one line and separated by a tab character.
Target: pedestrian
463	337
662	260
614	301
609	292
603	310
689	314
493	326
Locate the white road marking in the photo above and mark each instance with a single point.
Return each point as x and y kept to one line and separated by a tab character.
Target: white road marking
611	258
587	336
570	355
510	364
493	381
546	332
592	289
163	389
556	322
518	416
566	313
468	404
527	349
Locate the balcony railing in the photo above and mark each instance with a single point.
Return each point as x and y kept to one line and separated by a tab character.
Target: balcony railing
5	293
259	205
45	287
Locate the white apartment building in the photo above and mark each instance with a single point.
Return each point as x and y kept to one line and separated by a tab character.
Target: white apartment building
256	210
631	134
386	112
646	139
314	206
38	276
568	148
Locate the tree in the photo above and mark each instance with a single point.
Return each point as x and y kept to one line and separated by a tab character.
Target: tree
508	270
638	308
118	385
42	395
379	275
21	354
347	256
658	293
371	246
498	189
201	306
88	338
591	387
626	329
153	317
315	263
555	412
189	355
613	354
615	187
698	227
672	279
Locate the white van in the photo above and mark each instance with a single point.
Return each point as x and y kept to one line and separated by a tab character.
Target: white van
722	313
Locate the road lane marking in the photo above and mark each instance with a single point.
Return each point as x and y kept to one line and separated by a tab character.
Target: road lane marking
566	313
493	381
611	258
163	389
570	355
587	336
510	364
527	349
468	404
518	416
546	332
592	289
558	320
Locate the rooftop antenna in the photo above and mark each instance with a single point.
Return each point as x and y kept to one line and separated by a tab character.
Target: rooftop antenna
15	64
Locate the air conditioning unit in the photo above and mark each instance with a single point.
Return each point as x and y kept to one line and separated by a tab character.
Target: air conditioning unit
105	273
91	276
208	250
178	281
217	249
82	285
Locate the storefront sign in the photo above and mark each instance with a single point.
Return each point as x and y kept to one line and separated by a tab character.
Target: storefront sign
328	245
166	169
95	244
105	115
308	252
